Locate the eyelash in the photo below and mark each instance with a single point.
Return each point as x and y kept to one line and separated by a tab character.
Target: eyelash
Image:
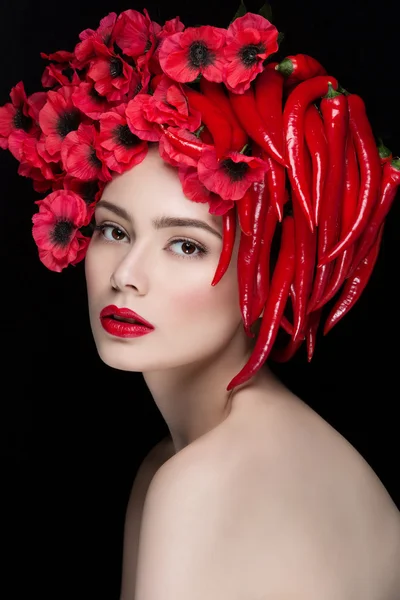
202	250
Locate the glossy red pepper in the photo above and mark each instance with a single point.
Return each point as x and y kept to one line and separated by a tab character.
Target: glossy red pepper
311	333
228	236
336	121
299	67
270	322
249	250
245	212
294	112
281	355
216	93
349	207
245	108
354	285
389	188
218	125
191	148
318	148
268	96
263	263
370	170
306	246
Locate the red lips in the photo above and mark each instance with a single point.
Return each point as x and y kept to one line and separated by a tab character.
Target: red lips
124	313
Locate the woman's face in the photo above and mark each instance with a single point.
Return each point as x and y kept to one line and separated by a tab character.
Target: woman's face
153	271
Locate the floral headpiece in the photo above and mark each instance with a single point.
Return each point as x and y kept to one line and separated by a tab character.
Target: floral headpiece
279	144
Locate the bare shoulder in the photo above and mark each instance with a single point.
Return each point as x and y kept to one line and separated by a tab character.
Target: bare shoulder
274	502
156	457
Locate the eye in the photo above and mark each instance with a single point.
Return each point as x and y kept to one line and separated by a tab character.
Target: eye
111	233
188	248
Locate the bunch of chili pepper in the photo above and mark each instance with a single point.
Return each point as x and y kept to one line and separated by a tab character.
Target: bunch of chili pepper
323	201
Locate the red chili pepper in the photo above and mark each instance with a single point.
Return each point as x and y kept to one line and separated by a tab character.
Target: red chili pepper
370	169
218	125
245	212
312	330
318	148
384	153
354	285
293	122
306	245
193	149
336	121
268	96
245	108
349	206
205	136
215	92
389	188
263	263
281	355
280	285
300	67
228	236
249	249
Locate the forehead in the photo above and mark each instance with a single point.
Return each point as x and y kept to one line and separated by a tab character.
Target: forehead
152	188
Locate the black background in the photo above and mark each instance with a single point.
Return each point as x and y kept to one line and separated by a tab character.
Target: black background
73	431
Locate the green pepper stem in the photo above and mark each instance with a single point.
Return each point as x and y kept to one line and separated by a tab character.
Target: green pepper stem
285	67
383	150
395	163
332	93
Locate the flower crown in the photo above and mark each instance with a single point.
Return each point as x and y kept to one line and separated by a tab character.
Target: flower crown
280	145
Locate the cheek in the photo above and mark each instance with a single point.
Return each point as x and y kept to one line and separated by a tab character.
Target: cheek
207	303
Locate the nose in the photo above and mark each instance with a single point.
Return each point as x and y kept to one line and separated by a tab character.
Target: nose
131	272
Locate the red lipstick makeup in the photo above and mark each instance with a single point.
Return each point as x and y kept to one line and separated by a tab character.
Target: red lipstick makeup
123	322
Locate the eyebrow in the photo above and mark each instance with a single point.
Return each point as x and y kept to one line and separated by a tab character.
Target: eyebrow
160	222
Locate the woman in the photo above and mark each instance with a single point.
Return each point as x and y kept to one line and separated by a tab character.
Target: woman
252	494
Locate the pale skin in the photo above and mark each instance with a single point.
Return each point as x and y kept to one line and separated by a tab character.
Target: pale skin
252	496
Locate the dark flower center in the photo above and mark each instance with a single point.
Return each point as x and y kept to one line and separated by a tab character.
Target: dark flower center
236	171
95	96
94	159
68	72
61	234
116	67
107	38
67	122
124	136
88	191
138	88
148	45
21	121
248	54
199	54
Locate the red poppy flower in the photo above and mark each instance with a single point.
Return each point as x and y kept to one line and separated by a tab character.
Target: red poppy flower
168	105
45	175
231	177
55	75
89	191
58	118
18	119
249	41
88	100
137	121
176	157
110	73
56	229
82	156
84	51
122	148
197	192
169	28
197	50
135	33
